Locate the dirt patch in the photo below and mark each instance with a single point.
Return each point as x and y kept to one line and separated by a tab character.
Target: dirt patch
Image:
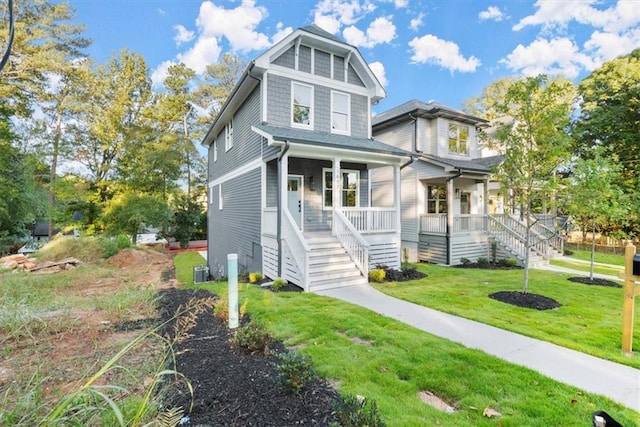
533	301
436	402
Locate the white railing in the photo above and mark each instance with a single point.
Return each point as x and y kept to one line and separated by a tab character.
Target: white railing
433	223
468	223
270	221
507	236
371	220
298	246
549	234
539	243
352	241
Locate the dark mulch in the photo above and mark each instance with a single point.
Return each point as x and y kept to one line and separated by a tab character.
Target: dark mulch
402	275
536	302
231	388
595	281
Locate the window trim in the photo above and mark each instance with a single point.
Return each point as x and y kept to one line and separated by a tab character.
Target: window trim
324	187
220	196
215	151
458	128
228	135
347	131
295	84
437	199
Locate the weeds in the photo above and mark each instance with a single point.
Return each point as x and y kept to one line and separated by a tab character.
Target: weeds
295	370
252	338
356	411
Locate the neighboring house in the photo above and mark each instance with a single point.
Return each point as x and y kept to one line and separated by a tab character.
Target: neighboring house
290	158
451	209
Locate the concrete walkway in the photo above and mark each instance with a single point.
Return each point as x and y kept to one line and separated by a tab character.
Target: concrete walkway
618	382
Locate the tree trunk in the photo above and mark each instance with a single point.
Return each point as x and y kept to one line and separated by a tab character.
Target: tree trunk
54	168
593	249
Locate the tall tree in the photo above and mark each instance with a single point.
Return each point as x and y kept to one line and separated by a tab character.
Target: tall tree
217	83
595	198
610	117
534	141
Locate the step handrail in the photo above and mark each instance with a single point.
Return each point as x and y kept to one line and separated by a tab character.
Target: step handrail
298	246
352	241
514	241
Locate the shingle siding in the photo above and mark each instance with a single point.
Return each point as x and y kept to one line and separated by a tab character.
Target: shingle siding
353	77
322	63
304	59
278	100
287	59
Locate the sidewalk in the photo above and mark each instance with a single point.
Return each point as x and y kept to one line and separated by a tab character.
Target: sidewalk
579	273
618	382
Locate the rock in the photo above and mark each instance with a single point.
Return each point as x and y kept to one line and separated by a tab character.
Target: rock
9	265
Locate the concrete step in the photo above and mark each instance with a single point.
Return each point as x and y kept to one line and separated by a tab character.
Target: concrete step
335	275
332	284
334	267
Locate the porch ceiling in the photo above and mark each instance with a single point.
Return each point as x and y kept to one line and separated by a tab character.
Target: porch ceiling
327	145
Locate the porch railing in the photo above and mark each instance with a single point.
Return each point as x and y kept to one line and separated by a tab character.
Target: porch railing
467	223
352	241
371	220
433	223
538	242
298	247
506	235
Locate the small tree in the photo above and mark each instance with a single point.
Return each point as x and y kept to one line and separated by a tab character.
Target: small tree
130	213
186	220
596	199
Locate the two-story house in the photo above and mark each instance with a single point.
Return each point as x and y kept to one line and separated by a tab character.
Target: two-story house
290	159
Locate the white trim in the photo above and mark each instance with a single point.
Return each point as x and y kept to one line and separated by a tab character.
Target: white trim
347	131
331	64
313	60
311	106
220	196
279	70
228	135
247	167
215	150
263	96
342	171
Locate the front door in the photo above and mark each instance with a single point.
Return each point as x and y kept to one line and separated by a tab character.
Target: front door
294	197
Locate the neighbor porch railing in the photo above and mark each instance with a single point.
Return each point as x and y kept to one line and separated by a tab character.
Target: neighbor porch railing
371	220
352	241
507	236
538	242
297	247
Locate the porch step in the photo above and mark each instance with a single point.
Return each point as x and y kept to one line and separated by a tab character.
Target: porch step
330	266
323	285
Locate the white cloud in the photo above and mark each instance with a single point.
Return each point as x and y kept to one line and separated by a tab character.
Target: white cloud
281	32
429	49
605	46
161	12
378	70
182	35
381	30
492	13
160	73
331	15
556	56
416	22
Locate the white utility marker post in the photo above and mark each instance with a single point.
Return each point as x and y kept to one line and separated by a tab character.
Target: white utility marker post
232	269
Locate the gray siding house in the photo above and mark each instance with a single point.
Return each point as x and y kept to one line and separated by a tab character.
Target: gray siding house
451	209
289	166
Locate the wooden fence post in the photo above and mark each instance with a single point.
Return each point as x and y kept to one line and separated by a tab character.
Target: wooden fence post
629	298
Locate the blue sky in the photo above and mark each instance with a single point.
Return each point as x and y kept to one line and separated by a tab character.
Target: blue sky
441	50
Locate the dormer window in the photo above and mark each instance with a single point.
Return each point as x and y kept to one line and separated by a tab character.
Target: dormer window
228	136
340	117
301	105
458	139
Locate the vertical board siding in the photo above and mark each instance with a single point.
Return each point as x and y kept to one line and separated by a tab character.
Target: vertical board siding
432	249
236	228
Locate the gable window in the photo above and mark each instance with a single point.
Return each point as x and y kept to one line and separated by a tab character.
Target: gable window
228	135
301	105
458	139
350	188
215	151
436	199
340	109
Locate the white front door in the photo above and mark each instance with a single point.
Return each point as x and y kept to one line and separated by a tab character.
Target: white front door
294	197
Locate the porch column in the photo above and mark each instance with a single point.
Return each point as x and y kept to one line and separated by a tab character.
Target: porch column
397	202
485	188
284	176
450	197
336	193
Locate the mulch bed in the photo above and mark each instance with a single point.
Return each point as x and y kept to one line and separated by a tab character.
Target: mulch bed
231	388
595	281
533	301
402	275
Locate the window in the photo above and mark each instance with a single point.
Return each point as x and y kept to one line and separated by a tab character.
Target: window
340	117
302	105
458	139
350	188
215	151
436	199
220	196
228	135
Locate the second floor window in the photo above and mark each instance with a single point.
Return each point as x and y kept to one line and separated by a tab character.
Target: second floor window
301	105
458	139
228	136
340	117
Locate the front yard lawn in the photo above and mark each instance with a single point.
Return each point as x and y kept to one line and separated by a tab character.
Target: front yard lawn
590	319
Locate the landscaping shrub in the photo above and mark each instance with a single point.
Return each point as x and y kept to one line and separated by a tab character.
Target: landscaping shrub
377	275
255	277
278	284
221	308
295	370
509	262
483	261
252	337
465	261
356	411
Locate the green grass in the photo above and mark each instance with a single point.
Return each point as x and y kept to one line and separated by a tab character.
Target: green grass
600	257
590	319
367	354
611	270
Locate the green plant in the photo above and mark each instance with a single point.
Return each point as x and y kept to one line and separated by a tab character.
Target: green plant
494	251
357	411
221	308
112	245
377	275
509	262
483	261
568	252
295	370
255	277
405	258
252	337
465	261
278	284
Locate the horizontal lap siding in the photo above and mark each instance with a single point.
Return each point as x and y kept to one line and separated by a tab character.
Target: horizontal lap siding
432	249
470	246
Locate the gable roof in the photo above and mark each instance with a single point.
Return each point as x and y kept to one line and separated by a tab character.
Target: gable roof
481	165
430	110
325	139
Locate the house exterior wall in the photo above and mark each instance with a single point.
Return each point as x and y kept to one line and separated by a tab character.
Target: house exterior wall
442	140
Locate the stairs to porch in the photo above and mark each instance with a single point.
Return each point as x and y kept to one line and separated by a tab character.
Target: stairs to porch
330	266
